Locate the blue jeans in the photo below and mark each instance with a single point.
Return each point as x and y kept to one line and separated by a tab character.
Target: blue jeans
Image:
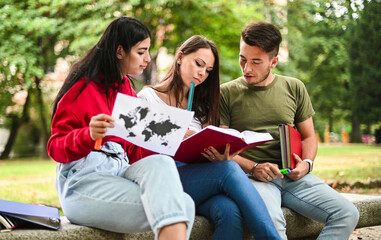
223	193
312	198
104	191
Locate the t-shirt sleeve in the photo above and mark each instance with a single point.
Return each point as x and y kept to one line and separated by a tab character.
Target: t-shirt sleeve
147	94
304	106
142	94
224	106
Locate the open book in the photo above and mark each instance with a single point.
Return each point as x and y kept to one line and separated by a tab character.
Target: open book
191	148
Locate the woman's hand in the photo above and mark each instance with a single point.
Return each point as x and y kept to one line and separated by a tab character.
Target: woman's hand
99	124
189	133
213	155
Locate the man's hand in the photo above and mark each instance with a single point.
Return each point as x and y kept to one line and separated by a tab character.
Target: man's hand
301	168
266	172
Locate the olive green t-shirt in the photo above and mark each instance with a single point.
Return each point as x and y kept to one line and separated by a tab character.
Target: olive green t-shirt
262	109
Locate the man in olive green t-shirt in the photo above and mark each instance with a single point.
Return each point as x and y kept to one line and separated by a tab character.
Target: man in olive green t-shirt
260	101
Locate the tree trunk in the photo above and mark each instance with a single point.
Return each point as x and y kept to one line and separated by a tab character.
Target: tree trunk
15	126
356	131
330	123
44	127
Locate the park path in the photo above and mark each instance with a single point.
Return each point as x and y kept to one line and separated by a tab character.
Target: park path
367	233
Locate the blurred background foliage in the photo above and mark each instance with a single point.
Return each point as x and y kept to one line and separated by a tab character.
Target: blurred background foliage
332	46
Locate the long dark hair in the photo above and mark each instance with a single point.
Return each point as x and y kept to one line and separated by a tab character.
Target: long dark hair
100	64
207	95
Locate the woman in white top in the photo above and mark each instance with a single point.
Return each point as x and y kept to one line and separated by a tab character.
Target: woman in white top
221	190
151	95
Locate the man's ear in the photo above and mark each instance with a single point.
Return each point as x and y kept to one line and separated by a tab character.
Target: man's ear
120	52
274	62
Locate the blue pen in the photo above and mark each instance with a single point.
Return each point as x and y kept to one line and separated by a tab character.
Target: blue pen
190	97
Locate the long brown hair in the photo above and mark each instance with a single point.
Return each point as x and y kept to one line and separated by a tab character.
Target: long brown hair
101	59
207	95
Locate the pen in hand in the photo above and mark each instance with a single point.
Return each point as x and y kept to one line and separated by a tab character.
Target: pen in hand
98	143
190	97
285	171
189	107
98	125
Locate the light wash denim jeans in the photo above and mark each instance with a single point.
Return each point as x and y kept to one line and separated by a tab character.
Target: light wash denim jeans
312	198
105	192
223	193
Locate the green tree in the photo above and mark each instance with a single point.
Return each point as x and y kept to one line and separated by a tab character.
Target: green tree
172	22
34	34
27	33
365	63
317	40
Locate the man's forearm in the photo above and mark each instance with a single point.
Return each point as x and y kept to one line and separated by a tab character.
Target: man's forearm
309	143
309	148
244	163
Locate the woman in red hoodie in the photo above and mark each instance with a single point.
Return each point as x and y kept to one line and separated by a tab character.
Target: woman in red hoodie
100	188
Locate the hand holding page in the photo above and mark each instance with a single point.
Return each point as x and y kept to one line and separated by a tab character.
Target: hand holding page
157	127
191	148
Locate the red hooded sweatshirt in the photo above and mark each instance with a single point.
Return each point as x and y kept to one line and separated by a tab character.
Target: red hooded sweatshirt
70	139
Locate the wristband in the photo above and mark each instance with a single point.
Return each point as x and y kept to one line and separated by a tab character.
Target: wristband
310	163
252	169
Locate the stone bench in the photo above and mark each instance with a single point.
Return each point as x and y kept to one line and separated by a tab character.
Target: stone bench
298	227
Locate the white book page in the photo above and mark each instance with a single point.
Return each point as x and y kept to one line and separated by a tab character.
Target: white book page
229	131
252	137
157	127
5	222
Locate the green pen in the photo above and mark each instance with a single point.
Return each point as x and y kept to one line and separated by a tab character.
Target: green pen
285	171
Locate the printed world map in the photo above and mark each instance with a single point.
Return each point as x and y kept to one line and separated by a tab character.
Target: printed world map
153	126
159	128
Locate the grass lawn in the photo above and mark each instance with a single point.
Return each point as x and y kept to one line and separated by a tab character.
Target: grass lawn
350	163
32	180
28	180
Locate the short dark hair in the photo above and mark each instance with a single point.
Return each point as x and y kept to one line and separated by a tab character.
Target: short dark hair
264	35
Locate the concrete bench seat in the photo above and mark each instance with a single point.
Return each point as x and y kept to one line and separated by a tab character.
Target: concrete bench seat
298	227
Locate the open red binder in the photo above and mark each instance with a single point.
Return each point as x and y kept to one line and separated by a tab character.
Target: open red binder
191	148
25	215
290	143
